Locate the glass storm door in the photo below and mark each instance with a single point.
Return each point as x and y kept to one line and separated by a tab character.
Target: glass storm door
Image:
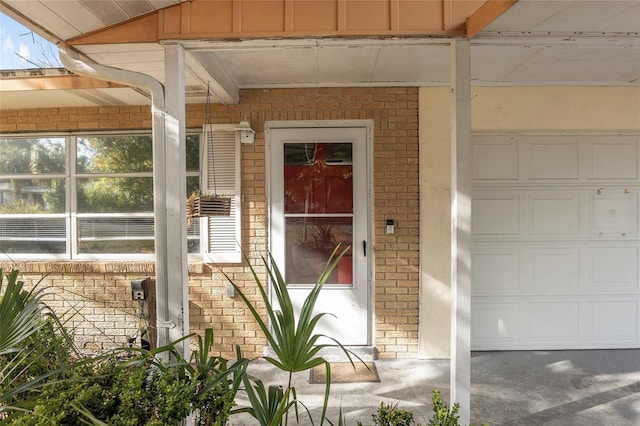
318	200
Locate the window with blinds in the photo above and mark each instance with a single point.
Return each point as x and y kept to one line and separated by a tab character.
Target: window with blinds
33	196
83	196
221	176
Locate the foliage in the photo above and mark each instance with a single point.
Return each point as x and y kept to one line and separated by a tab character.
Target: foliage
443	415
46	350
295	342
25	159
391	415
31	156
55	196
20	313
43	382
116	155
34	346
268	406
139	391
322	237
21	206
113	155
213	375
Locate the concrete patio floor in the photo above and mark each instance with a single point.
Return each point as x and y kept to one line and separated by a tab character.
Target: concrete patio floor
520	388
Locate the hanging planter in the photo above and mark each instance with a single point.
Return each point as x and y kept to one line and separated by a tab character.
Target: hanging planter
201	205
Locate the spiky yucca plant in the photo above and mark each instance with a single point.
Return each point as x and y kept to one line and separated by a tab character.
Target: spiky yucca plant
21	312
294	341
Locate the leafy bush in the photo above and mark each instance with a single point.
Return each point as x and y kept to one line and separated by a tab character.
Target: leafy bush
43	381
131	393
34	346
443	415
391	415
47	349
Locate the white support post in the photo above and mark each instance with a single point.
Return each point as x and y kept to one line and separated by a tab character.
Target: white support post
176	196
461	228
160	218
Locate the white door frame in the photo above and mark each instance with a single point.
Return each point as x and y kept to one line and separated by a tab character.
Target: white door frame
368	125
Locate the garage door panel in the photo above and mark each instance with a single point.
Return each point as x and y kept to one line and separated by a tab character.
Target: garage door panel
557	268
496	214
554	270
496	323
495	159
553	159
553	322
613	322
495	270
613	269
554	212
614	211
612	158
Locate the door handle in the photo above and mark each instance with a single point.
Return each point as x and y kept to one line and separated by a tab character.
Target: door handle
364	248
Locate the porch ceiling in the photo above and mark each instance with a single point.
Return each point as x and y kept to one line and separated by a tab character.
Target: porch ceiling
574	42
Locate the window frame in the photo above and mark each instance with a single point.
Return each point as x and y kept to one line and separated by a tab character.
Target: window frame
71	215
76	216
64	215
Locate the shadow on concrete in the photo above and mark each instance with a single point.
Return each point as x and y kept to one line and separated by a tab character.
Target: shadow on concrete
511	388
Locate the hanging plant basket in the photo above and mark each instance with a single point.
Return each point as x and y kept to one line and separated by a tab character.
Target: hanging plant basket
201	205
206	205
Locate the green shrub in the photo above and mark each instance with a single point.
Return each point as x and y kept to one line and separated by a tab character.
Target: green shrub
443	415
34	345
121	393
391	415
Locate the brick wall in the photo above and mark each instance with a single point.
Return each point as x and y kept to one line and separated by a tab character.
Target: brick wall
92	298
395	172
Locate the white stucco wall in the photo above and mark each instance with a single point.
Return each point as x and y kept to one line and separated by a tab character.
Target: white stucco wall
517	110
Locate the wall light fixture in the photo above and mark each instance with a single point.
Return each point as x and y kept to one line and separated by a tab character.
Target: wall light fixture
247	134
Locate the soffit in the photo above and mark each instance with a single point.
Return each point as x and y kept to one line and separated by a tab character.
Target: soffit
60	20
534	42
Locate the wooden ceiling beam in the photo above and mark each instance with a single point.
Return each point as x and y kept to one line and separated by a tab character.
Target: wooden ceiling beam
485	15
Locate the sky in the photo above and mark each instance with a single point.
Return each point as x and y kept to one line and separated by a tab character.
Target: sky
22	49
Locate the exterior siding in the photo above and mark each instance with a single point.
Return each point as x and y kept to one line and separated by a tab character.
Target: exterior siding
100	290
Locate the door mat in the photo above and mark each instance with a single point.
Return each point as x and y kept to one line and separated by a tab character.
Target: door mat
343	372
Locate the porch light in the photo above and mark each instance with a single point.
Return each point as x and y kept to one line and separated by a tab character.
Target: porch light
247	134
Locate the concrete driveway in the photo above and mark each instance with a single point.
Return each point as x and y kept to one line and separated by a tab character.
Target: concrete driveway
590	387
560	388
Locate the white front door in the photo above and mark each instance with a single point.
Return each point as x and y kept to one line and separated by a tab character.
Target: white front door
319	198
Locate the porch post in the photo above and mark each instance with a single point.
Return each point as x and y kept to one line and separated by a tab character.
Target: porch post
461	228
175	197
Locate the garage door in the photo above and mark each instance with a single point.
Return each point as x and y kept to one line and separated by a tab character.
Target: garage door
555	246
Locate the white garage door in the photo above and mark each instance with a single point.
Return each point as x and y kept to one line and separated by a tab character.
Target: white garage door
555	247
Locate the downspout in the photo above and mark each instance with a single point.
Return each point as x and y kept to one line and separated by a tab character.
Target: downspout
71	61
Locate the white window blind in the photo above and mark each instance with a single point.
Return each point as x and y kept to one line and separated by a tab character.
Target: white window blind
36	234
221	176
